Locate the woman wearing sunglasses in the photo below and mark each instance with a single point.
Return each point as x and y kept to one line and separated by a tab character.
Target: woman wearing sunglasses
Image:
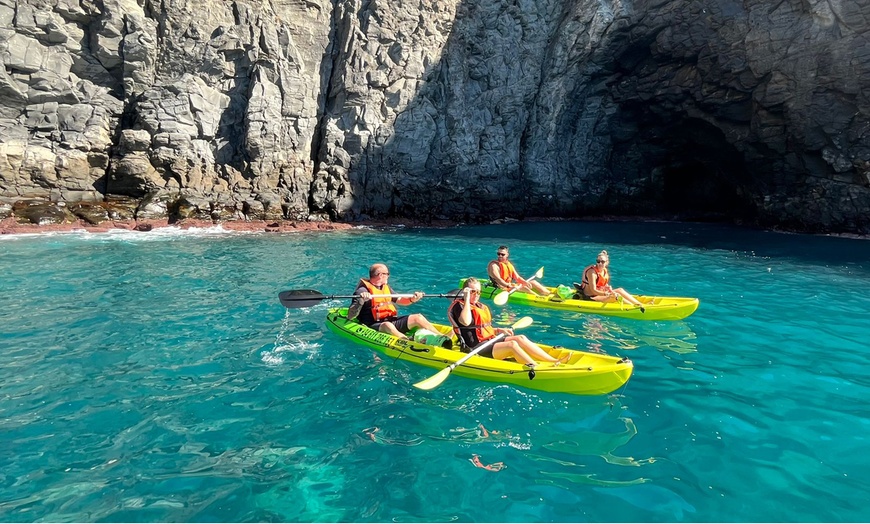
596	284
472	323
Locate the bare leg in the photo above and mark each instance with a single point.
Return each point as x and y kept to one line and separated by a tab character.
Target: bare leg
532	349
627	296
388	327
531	289
419	321
540	289
502	350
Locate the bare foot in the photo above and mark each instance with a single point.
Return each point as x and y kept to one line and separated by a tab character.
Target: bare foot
561	360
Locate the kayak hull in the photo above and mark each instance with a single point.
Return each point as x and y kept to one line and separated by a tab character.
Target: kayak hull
584	373
655	308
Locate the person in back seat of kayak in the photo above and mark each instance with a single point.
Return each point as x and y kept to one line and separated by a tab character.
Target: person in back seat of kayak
504	275
379	312
472	322
596	284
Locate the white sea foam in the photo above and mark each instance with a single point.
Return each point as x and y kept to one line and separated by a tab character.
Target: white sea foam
21	236
288	342
168	233
160	233
275	356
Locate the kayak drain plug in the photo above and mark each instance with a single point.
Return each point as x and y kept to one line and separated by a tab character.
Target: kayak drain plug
531	374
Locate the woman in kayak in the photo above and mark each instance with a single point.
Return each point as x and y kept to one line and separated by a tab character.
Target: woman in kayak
379	312
596	284
472	322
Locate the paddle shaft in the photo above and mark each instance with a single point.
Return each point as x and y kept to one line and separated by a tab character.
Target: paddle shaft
477	350
502	301
438	378
299	298
511	290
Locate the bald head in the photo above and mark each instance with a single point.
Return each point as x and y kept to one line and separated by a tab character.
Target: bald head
374	269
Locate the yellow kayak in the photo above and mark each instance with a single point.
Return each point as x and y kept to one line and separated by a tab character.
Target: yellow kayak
583	374
655	308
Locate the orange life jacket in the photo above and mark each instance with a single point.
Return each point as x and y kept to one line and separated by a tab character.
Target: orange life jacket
481	321
382	307
602	280
506	270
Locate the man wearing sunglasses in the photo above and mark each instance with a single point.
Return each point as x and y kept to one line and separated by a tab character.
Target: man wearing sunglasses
504	275
596	284
378	311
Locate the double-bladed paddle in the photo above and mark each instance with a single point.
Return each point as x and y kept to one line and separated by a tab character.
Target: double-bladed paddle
435	380
298	298
502	298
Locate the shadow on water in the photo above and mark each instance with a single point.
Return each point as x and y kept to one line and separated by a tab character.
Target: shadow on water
809	248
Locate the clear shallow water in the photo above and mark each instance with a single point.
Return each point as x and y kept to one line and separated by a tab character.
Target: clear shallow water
155	377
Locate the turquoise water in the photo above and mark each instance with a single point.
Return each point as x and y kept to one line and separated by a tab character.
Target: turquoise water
155	377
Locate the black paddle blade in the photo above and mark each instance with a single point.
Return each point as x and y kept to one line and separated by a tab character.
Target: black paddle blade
295	298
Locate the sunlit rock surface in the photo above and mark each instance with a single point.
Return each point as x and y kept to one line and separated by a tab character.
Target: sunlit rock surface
753	111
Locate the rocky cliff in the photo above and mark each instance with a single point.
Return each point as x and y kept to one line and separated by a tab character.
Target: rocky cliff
753	111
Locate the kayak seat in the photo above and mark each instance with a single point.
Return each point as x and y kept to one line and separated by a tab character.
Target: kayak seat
579	294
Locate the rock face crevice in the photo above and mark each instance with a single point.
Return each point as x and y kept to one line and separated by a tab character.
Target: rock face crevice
745	111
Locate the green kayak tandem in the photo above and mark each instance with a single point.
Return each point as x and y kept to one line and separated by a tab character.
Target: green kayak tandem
655	308
583	374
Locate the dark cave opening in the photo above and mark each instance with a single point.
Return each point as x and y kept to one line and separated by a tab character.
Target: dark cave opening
695	173
703	176
692	189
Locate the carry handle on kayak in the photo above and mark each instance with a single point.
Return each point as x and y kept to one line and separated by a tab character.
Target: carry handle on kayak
502	298
299	298
435	380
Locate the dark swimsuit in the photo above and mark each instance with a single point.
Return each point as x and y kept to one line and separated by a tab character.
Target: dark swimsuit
467	336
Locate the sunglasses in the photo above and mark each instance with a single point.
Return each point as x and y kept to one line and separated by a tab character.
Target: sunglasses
502	254
602	261
384	274
475	291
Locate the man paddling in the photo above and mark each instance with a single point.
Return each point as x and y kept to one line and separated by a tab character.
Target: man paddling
504	275
379	312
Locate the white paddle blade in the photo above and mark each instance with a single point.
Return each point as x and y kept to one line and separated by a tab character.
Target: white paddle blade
540	273
434	381
501	298
522	323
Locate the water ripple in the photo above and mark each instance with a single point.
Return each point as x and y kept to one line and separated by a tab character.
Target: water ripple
157	378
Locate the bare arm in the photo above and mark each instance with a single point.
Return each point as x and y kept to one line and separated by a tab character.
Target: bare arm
520	279
592	288
407	301
465	317
492	270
